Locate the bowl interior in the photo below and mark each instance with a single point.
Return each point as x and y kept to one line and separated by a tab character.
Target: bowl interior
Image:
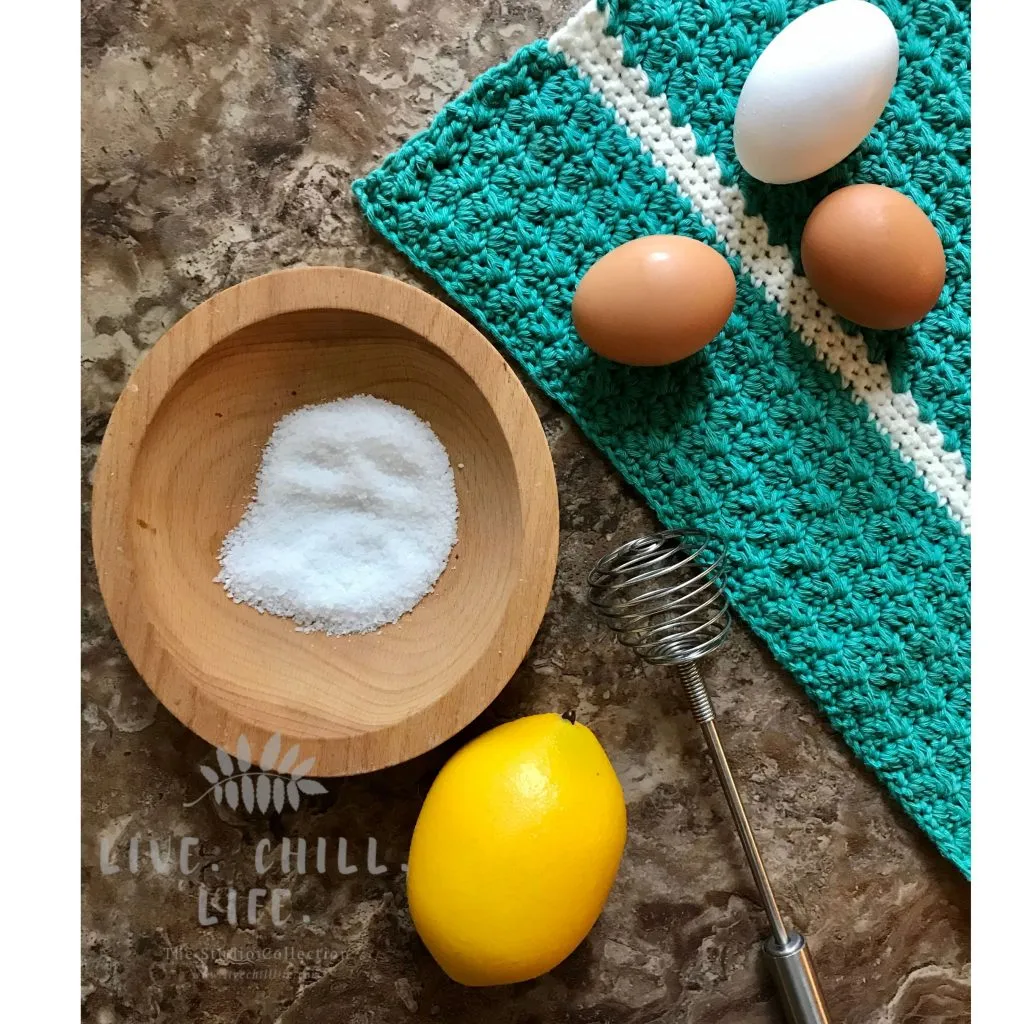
194	476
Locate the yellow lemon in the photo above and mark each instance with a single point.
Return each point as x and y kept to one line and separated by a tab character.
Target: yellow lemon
515	850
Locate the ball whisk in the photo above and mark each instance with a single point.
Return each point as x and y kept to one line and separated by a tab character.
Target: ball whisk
663	597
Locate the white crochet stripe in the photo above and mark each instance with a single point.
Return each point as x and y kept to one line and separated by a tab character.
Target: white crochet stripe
598	59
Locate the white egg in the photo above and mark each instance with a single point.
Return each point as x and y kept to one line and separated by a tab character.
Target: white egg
816	91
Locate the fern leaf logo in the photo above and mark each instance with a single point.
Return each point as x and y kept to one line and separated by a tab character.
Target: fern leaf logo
274	781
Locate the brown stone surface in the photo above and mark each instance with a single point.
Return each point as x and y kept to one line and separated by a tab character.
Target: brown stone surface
220	141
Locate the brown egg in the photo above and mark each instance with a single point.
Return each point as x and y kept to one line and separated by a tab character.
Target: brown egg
873	256
654	300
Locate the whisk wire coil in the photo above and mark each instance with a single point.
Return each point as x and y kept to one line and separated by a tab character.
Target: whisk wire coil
663	596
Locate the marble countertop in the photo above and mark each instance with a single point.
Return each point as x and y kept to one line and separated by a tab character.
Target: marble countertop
220	141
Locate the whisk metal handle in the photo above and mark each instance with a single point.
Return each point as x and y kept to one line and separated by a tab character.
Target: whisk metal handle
704	713
796	980
764	887
785	951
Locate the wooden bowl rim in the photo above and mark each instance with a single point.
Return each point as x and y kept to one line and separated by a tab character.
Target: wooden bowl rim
225	314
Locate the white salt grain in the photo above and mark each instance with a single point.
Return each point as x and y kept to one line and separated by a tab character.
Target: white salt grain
352	522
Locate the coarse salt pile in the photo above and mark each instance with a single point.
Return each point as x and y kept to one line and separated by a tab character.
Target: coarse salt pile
352	522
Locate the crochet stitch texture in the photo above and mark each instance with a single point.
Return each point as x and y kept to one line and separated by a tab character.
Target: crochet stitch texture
831	464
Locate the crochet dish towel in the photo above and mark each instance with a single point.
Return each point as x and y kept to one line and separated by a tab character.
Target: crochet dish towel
832	464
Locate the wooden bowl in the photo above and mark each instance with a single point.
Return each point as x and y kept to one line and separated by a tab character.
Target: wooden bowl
176	471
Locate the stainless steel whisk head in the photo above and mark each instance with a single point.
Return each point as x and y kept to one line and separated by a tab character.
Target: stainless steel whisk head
662	596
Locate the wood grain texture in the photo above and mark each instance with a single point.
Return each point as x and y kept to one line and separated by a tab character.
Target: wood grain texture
177	468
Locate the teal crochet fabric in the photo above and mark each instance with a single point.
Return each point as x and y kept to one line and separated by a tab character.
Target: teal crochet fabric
832	465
